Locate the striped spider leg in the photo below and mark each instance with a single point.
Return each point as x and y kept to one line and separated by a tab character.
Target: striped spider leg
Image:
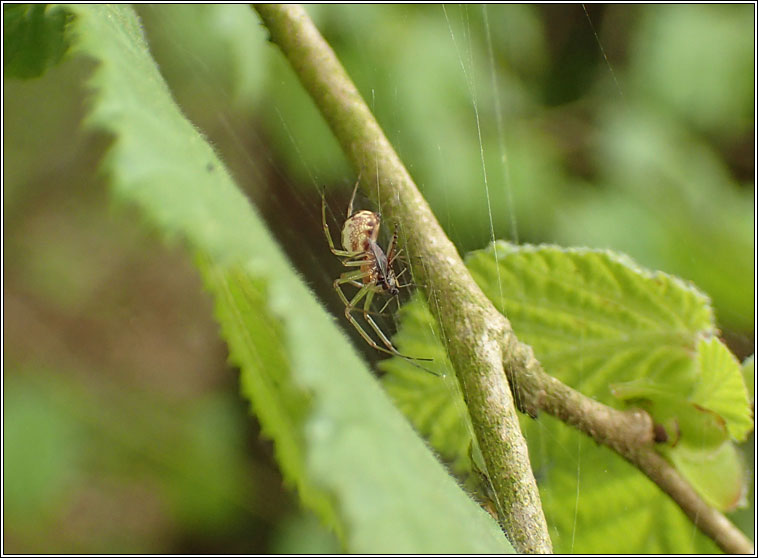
374	273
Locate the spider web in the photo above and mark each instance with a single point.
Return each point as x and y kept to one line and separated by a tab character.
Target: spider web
247	151
288	191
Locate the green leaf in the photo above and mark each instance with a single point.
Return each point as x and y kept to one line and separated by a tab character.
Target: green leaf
256	345
426	397
721	387
597	321
717	407
589	311
684	421
352	456
600	324
33	39
718	475
748	374
337	436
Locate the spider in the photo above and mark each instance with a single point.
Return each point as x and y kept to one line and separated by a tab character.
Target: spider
374	275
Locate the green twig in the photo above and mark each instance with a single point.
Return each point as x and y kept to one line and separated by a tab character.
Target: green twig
628	433
472	326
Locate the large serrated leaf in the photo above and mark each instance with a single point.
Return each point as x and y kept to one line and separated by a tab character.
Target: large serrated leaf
597	320
351	454
614	307
630	327
426	392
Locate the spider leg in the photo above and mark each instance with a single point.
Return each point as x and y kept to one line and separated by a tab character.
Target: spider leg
397	276
352	198
411	283
354	263
350	278
366	291
335	251
370	321
396	255
350	306
391	247
360	285
390	347
385	305
406	285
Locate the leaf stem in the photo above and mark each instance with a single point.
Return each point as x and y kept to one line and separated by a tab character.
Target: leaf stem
480	340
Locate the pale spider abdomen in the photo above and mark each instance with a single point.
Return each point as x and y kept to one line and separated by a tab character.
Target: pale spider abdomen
359	229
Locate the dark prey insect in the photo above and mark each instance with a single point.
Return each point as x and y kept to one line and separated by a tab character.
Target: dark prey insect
374	273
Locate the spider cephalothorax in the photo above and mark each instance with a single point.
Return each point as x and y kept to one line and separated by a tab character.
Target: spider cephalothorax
374	273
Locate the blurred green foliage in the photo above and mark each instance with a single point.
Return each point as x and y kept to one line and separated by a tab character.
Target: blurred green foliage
650	152
33	39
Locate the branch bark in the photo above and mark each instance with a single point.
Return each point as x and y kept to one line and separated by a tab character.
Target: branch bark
480	340
473	327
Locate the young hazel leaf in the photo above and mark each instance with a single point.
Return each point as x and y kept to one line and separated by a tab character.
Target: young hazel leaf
717	474
721	387
616	332
599	322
